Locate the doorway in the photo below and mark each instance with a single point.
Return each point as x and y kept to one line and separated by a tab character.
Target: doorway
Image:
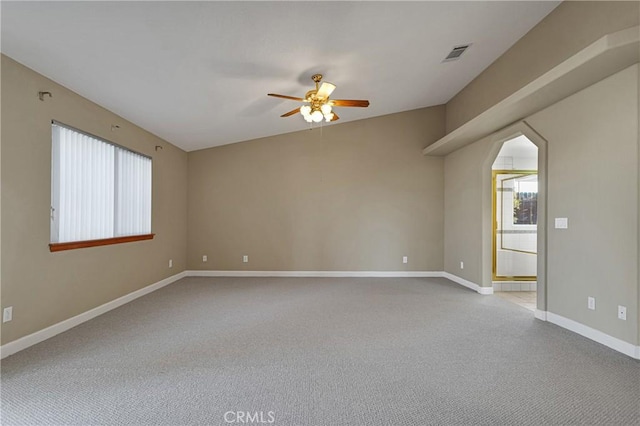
515	222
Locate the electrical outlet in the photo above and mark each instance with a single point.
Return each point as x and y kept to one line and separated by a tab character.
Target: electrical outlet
461	265
245	259
204	257
405	259
7	314
170	263
622	312
591	303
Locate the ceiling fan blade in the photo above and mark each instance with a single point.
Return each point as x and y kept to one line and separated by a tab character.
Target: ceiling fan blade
293	98
325	90
294	111
335	116
350	103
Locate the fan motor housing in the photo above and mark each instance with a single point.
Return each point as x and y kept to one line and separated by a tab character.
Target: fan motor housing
311	94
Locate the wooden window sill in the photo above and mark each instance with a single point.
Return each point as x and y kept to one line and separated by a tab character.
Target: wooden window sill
95	243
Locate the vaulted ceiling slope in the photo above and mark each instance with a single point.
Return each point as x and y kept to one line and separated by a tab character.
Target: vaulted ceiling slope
197	73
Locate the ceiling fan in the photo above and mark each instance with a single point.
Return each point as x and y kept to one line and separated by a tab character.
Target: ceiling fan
319	105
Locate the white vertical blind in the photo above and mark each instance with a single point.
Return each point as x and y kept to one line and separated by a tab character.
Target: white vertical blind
133	205
98	190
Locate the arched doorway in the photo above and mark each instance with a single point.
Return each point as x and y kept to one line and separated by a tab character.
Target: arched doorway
489	216
515	222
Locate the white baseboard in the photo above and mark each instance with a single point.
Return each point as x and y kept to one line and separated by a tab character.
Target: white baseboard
44	334
331	274
338	274
473	286
591	333
541	315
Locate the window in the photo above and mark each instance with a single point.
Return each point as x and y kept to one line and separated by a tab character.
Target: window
525	199
100	192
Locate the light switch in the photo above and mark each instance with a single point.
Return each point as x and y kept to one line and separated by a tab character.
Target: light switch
562	223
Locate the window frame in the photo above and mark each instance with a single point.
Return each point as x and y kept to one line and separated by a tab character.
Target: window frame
71	245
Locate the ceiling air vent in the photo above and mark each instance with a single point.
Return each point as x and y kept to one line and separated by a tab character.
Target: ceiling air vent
456	52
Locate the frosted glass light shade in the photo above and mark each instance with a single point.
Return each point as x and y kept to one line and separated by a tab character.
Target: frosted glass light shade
305	110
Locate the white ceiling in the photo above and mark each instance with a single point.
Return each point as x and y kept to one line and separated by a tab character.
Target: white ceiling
197	73
519	147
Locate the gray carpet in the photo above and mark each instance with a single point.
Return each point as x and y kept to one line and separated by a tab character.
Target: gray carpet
319	351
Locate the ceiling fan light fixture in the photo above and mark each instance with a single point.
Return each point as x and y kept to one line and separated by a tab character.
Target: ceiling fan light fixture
319	105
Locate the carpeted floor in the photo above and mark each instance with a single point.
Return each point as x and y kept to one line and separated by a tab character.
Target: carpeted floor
319	351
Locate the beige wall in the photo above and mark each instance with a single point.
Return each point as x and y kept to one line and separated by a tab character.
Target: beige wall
569	28
45	288
463	190
353	196
592	168
593	180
